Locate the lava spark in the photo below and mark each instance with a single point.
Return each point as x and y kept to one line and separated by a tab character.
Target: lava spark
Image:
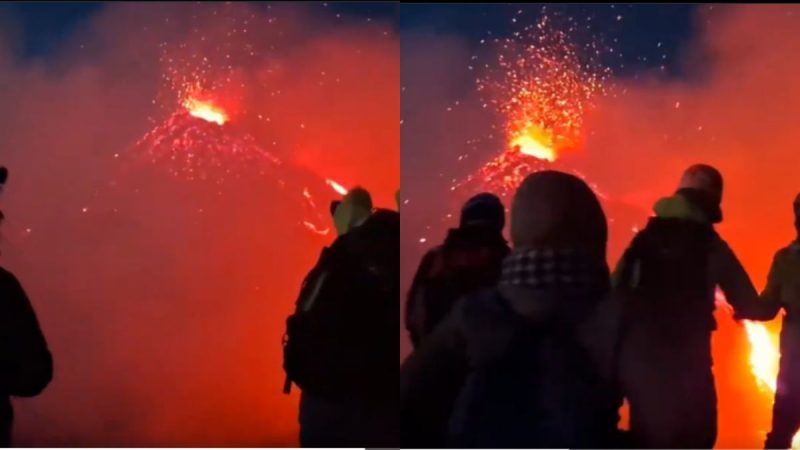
541	83
336	186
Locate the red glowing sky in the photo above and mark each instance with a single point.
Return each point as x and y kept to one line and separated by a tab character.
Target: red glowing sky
163	300
736	112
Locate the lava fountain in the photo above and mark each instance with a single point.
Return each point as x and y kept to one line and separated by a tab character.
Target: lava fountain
541	84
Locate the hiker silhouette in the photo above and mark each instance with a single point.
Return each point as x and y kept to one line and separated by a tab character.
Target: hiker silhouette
26	366
520	351
667	279
340	344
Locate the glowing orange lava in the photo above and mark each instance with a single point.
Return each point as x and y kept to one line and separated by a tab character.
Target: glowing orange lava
541	83
314	229
336	186
764	359
205	110
536	142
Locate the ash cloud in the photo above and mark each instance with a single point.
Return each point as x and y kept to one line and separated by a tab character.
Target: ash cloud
163	300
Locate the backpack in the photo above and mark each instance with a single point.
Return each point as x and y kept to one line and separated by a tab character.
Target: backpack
539	389
447	274
665	279
334	344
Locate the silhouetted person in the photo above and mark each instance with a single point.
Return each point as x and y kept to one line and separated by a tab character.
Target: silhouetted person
783	292
341	347
520	349
667	277
26	366
469	260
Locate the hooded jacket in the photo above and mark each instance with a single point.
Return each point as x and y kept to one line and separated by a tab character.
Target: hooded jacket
724	268
461	275
580	407
547	394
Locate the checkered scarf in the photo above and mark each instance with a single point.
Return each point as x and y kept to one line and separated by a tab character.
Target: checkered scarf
547	268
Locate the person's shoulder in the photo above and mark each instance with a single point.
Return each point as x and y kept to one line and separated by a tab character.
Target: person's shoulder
790	252
8	280
6	276
382	219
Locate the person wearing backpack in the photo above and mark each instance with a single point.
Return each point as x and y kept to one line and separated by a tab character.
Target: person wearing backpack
340	347
783	292
667	279
521	350
468	260
26	365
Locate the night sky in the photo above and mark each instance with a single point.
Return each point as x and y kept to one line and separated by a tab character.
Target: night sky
44	24
648	36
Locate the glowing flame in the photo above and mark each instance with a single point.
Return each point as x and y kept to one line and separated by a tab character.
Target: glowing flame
536	142
764	355
205	110
336	187
764	360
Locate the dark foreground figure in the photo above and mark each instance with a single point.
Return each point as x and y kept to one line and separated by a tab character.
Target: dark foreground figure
341	347
783	292
26	366
667	280
469	260
523	350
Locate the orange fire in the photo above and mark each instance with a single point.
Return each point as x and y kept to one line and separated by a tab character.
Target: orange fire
535	141
336	186
205	110
764	355
764	359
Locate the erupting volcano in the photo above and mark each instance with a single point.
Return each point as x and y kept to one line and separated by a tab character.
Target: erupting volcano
205	136
541	84
198	141
542	88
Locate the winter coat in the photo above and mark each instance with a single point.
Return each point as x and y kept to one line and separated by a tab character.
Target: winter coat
724	269
468	261
455	376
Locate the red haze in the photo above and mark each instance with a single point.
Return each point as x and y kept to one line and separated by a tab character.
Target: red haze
164	301
737	110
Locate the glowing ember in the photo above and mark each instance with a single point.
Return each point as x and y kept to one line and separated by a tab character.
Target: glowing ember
201	132
336	187
205	110
313	228
542	84
197	149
